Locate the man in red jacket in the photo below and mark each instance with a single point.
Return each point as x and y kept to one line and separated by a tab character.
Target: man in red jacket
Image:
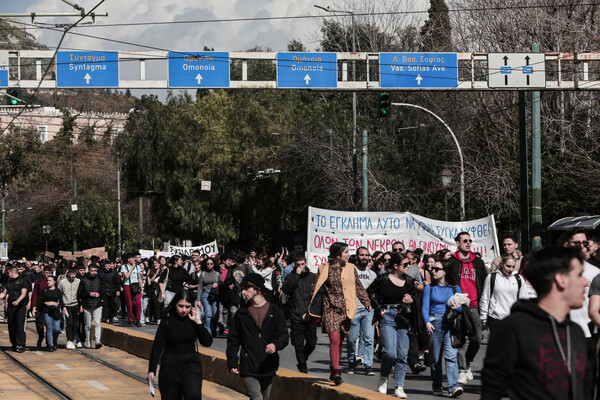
469	271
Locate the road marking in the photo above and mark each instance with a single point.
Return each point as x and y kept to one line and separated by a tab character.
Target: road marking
62	366
39	353
4	331
98	385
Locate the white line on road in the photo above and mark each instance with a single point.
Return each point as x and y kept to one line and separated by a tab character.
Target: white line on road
62	366
4	331
98	385
39	353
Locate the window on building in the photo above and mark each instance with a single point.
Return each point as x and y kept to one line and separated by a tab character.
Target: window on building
43	132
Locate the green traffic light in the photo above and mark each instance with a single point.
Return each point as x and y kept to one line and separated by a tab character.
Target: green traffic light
13	102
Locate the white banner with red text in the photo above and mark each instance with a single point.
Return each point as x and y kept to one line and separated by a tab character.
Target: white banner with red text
377	231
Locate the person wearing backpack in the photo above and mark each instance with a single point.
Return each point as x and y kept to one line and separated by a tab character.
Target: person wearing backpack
500	291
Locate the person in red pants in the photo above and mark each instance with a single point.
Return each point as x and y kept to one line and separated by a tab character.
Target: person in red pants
132	289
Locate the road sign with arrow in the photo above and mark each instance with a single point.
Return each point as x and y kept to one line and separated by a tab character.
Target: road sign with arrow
306	70
418	70
83	69
208	69
516	70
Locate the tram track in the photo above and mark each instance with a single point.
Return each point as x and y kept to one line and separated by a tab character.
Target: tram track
38	378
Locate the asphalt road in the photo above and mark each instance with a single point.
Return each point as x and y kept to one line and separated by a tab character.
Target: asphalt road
416	386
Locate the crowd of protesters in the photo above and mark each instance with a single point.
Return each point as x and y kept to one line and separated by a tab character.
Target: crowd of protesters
408	309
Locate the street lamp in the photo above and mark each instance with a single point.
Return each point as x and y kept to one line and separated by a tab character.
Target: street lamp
354	126
460	156
46	229
446	181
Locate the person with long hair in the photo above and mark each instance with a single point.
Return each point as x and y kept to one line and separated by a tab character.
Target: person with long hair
180	365
435	299
393	295
51	304
208	292
153	290
334	301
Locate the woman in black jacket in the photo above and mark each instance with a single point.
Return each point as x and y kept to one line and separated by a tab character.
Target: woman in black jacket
261	330
181	368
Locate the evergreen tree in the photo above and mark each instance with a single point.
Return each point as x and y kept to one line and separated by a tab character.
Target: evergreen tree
436	31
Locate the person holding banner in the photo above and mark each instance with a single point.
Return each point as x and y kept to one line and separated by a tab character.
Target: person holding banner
334	301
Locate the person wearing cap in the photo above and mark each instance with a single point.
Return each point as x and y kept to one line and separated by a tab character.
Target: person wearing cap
260	329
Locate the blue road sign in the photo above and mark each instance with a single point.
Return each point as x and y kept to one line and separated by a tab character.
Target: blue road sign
82	69
415	70
3	78
306	70
208	69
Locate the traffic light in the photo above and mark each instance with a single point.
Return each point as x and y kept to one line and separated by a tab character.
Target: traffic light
384	104
13	93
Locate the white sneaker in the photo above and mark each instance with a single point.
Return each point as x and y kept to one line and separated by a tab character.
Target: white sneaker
462	378
88	345
457	392
70	345
469	374
382	385
358	360
399	392
78	345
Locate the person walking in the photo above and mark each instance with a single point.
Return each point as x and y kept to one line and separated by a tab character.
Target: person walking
334	301
501	290
68	288
393	295
51	306
435	303
132	289
180	365
260	329
209	281
538	352
298	287
15	290
89	296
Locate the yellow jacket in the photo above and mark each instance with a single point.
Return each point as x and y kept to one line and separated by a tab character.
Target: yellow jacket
348	288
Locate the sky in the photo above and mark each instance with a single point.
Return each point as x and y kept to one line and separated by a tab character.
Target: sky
273	34
222	36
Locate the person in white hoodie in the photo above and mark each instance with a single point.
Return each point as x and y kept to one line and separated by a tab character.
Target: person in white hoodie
500	291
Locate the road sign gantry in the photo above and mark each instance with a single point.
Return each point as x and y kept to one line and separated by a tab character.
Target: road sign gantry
459	71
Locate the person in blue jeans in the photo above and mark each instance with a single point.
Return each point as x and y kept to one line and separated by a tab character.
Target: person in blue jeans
209	280
51	303
435	299
392	294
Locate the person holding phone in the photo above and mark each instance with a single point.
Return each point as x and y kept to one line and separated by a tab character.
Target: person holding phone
181	367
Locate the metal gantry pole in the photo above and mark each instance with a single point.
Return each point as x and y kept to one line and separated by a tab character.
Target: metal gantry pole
536	166
460	155
365	172
524	176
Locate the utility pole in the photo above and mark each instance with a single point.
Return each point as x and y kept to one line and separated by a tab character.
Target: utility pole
524	177
141	227
354	101
536	166
365	172
74	200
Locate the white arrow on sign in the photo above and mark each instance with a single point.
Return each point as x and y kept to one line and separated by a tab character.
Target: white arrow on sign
199	78
87	78
307	79
419	79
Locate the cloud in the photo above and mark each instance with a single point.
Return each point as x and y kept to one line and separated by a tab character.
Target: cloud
222	36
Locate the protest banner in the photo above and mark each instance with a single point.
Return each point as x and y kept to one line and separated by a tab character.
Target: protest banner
48	254
96	251
377	231
146	253
64	254
164	254
210	249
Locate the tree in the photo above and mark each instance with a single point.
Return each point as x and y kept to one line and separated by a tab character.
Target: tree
436	31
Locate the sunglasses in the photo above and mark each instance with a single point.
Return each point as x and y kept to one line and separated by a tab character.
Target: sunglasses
405	264
585	243
397	250
437	269
467	240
